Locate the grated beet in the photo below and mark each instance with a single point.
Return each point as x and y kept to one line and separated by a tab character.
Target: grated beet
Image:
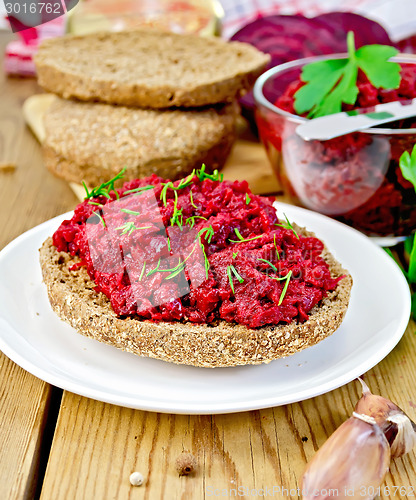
224	206
343	176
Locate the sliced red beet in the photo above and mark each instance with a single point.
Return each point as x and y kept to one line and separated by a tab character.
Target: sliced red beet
287	38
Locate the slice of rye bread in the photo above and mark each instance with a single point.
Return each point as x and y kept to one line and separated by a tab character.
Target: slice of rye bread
92	142
72	296
148	68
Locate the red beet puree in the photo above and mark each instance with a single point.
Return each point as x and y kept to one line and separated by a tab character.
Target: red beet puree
226	258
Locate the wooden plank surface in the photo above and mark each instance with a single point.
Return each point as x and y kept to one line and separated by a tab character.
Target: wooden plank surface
25	202
96	445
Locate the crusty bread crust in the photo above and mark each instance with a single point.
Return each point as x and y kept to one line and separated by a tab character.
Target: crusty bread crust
148	68
92	142
72	296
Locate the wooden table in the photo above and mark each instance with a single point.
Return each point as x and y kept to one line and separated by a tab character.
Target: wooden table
58	445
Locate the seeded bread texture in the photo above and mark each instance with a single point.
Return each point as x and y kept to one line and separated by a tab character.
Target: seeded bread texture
148	68
92	142
72	296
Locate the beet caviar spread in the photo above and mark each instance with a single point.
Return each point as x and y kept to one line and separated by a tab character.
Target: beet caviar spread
197	250
344	177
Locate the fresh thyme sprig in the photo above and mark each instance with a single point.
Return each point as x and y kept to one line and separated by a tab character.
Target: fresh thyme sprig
105	188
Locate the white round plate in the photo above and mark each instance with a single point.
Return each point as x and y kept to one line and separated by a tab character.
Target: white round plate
37	340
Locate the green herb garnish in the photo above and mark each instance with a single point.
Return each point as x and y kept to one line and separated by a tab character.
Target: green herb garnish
177	217
288	225
179	267
332	82
209	233
270	264
105	188
275	246
152	271
235	254
407	164
241	239
99	216
130	212
248	199
281	278
215	176
129	227
191	220
139	189
232	269
282	295
192	199
142	272
205	258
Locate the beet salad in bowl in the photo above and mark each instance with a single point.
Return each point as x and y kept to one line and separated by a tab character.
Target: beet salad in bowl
362	178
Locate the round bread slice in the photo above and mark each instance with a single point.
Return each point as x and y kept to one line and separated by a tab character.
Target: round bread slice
148	68
73	298
92	142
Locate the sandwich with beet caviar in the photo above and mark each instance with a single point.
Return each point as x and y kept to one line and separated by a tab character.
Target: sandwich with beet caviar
199	272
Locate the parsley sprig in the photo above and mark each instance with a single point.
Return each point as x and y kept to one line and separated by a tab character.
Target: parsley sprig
407	165
333	82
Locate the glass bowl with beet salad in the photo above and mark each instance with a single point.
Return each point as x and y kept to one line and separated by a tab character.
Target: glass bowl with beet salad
355	178
199	249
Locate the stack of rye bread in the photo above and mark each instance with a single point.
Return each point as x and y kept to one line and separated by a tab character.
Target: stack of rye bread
144	100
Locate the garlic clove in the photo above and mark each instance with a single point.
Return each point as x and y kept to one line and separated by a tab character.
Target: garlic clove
352	462
399	430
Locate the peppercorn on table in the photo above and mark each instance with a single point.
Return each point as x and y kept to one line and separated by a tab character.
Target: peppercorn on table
58	445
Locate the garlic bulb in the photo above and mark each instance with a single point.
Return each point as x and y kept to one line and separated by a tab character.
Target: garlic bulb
351	463
399	430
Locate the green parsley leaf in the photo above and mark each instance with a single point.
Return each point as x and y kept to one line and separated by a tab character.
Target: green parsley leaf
374	61
333	82
407	164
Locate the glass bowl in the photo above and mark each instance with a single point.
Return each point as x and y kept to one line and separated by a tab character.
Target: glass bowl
355	178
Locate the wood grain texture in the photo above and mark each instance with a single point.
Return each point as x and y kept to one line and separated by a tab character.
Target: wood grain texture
24	402
97	446
29	195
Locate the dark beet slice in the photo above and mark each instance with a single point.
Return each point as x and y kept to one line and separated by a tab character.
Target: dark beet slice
287	38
